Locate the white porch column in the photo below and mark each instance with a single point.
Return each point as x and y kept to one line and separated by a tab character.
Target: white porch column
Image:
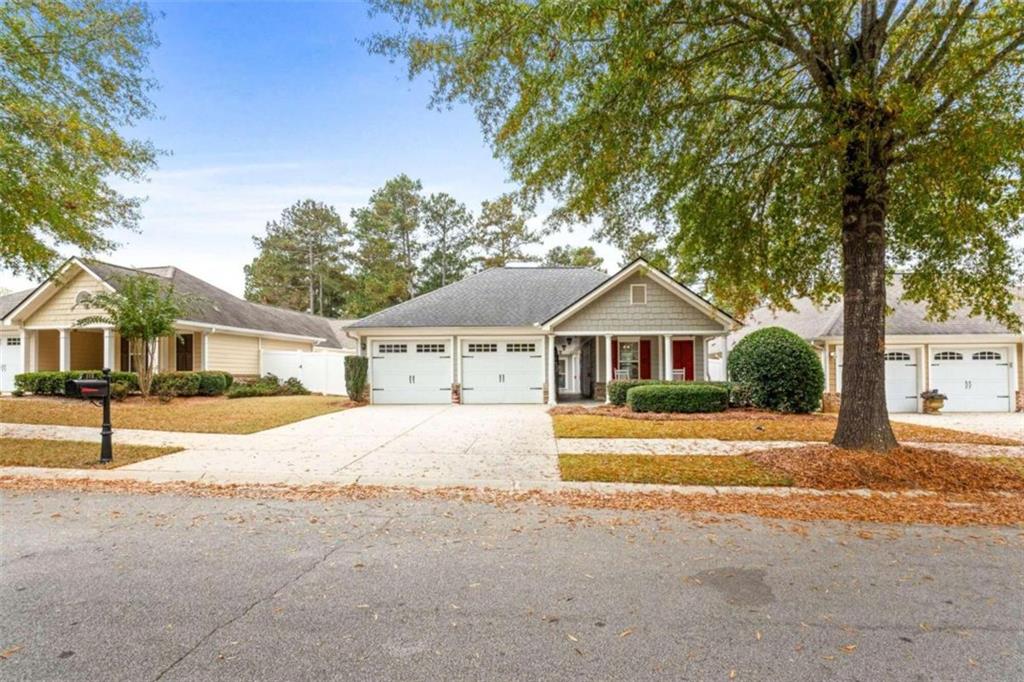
668	357
725	357
108	349
206	351
156	355
608	370
552	372
65	350
26	356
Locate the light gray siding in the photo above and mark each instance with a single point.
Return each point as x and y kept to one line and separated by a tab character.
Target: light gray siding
664	311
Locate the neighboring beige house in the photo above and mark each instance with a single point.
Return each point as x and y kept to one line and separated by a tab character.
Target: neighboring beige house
38	330
537	334
977	363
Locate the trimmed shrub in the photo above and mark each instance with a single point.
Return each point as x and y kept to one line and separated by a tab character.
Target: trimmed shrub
678	397
229	379
175	384
212	383
617	388
52	383
118	390
355	376
779	369
267	385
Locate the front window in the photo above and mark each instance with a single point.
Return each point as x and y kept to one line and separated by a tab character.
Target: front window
629	360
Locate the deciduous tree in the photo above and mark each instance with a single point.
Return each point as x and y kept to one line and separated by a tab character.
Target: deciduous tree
73	80
785	148
142	310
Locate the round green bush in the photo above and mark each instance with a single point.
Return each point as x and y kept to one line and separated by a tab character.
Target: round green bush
212	383
779	370
678	397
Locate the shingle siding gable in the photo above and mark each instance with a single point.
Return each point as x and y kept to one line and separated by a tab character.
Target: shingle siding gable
614	312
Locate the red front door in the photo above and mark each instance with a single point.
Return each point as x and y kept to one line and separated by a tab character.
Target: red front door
645	358
682	359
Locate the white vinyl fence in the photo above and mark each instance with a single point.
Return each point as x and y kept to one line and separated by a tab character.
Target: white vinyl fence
319	372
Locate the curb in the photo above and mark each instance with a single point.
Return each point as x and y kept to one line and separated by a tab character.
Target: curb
478	484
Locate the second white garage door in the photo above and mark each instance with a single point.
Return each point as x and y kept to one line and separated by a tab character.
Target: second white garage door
411	372
502	371
973	379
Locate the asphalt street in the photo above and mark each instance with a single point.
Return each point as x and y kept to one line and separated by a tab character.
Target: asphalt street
116	587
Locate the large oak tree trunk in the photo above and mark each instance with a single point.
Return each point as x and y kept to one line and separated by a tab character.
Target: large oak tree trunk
863	416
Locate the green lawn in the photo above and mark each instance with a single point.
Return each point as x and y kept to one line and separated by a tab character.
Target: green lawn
200	415
669	469
71	454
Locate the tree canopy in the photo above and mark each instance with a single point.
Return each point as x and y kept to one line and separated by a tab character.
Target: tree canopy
302	261
574	256
73	79
724	125
502	234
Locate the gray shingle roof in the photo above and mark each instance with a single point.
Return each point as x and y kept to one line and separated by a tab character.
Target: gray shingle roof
9	302
907	319
218	307
498	297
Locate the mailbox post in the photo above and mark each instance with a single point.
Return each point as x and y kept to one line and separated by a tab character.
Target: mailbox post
96	389
106	446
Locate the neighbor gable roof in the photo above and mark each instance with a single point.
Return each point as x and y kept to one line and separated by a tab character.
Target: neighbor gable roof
496	297
641	265
9	302
215	307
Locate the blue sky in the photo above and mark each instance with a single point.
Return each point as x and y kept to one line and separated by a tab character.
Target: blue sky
262	104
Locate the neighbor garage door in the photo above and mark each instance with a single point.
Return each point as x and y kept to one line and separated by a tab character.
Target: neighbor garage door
10	360
502	371
972	379
414	371
900	379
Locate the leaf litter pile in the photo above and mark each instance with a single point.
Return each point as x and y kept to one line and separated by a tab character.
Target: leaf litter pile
826	467
951	509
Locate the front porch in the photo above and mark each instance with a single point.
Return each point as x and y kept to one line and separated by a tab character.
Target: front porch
582	365
94	348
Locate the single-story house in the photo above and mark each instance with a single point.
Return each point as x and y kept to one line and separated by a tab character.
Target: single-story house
977	363
538	334
38	328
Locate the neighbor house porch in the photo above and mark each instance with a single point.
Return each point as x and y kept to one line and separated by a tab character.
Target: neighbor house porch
94	348
582	365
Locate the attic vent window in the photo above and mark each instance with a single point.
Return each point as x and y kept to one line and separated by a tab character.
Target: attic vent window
84	298
638	294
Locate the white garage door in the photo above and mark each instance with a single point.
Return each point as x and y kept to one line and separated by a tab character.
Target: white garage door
900	379
10	360
972	379
410	372
503	371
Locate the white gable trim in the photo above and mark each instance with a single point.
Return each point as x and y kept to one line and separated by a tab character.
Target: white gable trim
656	275
47	289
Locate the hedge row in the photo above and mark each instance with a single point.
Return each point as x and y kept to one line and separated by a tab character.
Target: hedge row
678	397
52	383
268	385
739	395
164	383
175	384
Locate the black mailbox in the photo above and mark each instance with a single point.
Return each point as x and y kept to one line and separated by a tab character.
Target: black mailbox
87	388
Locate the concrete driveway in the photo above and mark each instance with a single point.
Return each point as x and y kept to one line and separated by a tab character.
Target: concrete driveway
1001	424
385	444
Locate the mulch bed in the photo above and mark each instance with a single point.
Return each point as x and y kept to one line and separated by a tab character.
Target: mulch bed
975	509
826	467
